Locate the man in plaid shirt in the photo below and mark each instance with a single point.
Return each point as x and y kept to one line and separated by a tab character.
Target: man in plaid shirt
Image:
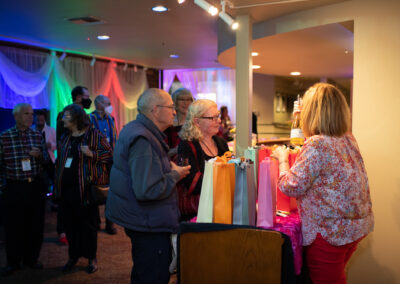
22	154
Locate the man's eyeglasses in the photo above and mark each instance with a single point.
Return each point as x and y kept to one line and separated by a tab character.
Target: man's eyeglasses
170	107
214	118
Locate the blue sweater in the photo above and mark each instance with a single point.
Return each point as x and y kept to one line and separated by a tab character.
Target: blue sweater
142	195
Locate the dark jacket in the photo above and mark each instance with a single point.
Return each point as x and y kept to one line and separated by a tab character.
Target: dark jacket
185	150
142	195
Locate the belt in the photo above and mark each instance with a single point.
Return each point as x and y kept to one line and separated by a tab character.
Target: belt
23	181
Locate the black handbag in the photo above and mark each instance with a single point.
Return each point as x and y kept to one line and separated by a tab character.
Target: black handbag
98	194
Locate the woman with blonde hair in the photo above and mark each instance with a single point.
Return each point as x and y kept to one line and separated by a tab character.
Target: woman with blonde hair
330	183
200	142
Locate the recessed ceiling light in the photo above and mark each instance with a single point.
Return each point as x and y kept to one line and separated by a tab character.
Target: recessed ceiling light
174	56
159	9
103	37
254	53
346	51
256	66
181	1
295	73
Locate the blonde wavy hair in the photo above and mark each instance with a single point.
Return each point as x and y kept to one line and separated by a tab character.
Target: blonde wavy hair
190	130
325	111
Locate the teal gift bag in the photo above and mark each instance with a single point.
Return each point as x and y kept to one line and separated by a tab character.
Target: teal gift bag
244	209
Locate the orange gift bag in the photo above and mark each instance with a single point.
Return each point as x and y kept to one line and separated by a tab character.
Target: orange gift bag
224	190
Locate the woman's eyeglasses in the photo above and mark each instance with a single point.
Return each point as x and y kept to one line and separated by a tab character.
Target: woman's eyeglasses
185	100
213	118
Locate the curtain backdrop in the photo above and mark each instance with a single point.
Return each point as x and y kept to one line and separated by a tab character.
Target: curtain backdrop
40	79
215	84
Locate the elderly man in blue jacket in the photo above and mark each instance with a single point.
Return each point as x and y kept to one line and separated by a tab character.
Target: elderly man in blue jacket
143	196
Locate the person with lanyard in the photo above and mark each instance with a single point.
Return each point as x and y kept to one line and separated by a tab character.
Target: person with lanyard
81	97
102	120
200	141
84	158
22	155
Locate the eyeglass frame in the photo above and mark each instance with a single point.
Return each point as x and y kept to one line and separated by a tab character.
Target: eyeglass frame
172	107
185	100
213	118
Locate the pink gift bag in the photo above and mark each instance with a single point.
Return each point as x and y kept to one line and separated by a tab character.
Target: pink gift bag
267	192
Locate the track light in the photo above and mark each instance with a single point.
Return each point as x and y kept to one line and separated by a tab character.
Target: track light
126	66
229	20
63	55
206	6
93	61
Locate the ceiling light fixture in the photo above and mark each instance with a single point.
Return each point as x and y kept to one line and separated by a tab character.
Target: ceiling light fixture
254	53
295	73
256	67
174	56
103	37
181	1
227	18
206	6
159	9
134	68
126	66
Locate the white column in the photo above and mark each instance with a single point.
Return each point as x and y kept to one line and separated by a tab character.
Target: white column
244	83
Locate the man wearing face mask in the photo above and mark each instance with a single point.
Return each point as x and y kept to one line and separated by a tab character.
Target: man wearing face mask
80	96
102	120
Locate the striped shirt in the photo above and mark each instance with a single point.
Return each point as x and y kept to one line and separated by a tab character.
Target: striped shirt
15	146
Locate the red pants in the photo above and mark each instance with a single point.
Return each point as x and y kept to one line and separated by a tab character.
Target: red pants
326	263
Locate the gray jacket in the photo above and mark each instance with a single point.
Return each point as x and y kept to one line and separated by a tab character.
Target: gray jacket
142	195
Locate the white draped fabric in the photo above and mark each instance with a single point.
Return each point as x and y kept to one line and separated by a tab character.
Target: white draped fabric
40	79
208	83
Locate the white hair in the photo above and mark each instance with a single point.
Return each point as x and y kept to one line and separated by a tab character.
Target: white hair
148	99
99	99
18	107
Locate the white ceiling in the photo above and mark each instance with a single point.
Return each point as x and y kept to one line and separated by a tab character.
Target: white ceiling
143	37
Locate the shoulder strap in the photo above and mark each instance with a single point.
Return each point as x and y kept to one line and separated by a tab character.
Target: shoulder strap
199	173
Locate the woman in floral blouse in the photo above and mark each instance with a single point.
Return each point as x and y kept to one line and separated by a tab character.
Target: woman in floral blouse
330	183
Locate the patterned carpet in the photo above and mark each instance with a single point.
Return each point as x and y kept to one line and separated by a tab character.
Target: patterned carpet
113	255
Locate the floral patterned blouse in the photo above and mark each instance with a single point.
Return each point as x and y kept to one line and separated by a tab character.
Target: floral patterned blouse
330	183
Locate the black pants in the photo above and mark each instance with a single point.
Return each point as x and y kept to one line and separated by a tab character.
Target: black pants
151	255
23	221
80	224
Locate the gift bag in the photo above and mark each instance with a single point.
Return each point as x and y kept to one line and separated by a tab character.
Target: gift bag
252	154
205	211
263	152
267	193
223	189
244	209
284	202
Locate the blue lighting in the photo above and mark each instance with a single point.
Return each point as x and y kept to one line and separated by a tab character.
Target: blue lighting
174	56
159	9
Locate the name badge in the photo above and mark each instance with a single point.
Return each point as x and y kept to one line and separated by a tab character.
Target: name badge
26	165
68	163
